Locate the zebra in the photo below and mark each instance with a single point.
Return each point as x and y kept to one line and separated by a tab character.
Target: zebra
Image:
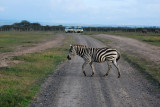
91	55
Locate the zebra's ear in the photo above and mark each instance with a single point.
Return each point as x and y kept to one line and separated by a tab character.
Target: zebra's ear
70	45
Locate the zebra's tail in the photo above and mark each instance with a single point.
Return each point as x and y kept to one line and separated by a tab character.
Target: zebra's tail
118	56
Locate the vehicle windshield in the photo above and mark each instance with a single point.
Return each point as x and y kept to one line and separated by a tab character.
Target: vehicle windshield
68	28
78	28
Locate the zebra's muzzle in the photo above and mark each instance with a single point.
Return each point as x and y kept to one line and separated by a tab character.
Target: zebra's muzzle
68	57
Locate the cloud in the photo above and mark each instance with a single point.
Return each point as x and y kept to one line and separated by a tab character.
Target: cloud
1	9
83	11
67	5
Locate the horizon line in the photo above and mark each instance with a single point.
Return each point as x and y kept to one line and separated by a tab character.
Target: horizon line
11	22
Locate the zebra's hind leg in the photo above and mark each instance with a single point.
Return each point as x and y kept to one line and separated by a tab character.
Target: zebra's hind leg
117	66
93	70
83	67
109	67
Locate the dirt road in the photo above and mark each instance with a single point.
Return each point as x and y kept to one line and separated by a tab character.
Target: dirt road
144	50
68	87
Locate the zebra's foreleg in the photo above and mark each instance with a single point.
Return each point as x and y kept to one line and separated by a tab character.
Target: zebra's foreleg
109	67
93	70
83	67
117	66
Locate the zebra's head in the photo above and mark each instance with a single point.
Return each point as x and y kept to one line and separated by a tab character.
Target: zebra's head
72	52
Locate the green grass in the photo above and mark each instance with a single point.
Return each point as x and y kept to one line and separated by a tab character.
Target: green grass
3	49
149	69
20	83
9	40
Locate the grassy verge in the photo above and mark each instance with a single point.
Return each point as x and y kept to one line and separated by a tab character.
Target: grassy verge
19	83
149	69
90	33
151	38
9	40
105	41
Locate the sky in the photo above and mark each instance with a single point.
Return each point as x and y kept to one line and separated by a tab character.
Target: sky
81	12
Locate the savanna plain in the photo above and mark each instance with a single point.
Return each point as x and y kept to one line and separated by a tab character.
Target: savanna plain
34	70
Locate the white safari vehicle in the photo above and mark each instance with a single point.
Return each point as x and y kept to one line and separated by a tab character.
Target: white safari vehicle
69	30
78	30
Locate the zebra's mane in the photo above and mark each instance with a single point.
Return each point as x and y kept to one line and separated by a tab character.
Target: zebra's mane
85	46
79	45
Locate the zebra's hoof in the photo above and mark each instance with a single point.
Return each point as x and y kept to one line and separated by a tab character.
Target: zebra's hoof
84	73
118	76
105	75
92	74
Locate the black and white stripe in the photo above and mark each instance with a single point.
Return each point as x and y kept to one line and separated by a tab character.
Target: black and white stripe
99	55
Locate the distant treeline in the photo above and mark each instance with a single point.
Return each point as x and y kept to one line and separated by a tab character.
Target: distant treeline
27	26
123	29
